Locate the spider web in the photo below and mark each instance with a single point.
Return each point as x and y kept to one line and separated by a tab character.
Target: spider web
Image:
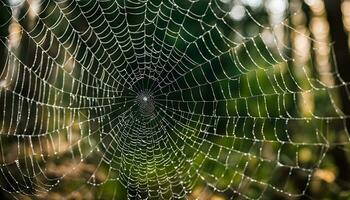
166	99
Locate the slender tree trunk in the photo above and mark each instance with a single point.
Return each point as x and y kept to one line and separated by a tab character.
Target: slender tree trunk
342	58
3	33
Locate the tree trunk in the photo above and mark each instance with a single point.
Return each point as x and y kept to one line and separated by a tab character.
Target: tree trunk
342	58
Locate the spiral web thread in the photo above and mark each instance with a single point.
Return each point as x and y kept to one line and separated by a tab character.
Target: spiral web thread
166	98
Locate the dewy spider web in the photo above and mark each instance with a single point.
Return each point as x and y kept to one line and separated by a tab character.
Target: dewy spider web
165	98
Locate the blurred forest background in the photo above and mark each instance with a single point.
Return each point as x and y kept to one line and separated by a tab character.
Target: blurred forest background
327	21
